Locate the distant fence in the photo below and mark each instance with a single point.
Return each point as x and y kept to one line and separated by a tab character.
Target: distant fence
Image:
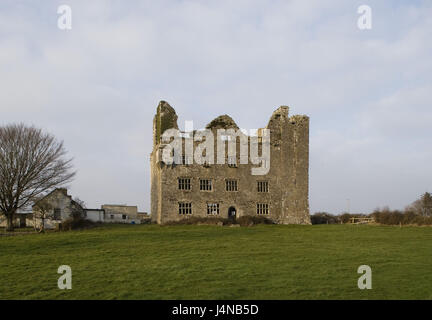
361	220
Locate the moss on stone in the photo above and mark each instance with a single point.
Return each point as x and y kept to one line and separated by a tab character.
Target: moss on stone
166	118
222	122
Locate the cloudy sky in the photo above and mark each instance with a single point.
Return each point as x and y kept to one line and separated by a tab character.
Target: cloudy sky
367	92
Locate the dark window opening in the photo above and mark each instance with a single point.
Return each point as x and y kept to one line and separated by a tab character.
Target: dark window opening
57	214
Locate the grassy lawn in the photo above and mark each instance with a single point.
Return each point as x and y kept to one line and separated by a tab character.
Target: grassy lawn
210	262
17	231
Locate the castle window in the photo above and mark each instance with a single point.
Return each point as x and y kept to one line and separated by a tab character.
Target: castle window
185	208
212	208
57	214
232	162
205	184
184	183
231	185
262	208
124	217
263	186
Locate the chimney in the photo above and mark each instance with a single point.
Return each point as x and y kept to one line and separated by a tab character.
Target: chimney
63	190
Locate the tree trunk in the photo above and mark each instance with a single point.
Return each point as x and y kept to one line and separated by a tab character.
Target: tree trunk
42	229
10	226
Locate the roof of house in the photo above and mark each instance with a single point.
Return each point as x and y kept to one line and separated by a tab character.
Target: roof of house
63	191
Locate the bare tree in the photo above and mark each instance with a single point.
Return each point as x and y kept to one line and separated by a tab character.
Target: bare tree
42	211
422	206
32	163
80	202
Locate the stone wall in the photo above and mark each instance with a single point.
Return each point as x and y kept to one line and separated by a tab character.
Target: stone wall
121	214
130	211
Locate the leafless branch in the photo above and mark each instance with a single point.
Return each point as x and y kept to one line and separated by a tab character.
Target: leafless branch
31	163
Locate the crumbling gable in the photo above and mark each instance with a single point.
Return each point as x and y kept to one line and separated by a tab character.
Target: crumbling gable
165	118
222	122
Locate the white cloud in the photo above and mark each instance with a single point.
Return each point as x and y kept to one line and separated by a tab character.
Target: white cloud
97	86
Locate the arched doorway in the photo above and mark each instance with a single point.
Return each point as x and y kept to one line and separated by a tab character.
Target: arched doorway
232	213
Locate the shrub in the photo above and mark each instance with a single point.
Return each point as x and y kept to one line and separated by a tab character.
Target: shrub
396	217
77	224
345	218
388	217
243	221
247	221
324	218
200	220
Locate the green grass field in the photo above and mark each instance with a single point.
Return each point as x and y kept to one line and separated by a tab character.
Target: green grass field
210	262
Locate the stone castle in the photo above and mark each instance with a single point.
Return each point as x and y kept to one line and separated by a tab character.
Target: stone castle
184	188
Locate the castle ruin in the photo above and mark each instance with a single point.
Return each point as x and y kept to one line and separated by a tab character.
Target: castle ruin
184	188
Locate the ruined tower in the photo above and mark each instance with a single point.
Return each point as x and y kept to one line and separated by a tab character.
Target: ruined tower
185	188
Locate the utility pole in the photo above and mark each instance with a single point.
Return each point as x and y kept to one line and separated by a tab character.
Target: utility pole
348	205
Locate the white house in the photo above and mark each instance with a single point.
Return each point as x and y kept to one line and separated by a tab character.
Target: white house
95	215
119	213
55	207
59	206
